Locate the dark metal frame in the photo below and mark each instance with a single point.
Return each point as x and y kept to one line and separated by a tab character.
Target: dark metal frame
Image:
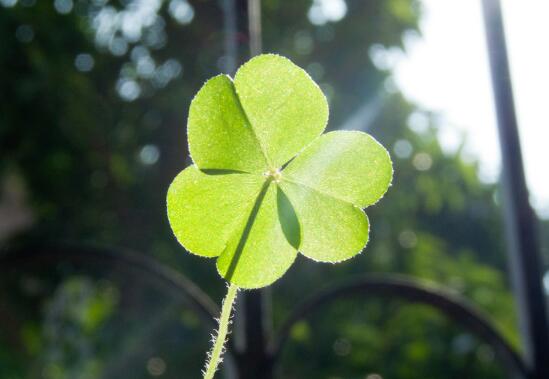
393	286
255	348
520	221
242	361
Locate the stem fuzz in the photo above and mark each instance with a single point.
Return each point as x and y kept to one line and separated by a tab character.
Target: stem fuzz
219	344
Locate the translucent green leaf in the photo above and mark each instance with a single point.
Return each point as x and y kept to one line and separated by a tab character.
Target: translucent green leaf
346	165
205	211
284	105
236	205
331	230
220	136
259	253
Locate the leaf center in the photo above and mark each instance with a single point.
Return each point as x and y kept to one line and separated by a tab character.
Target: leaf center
274	174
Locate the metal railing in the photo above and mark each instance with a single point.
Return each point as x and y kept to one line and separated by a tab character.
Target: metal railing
244	361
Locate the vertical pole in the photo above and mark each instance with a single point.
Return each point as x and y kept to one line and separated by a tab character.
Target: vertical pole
230	33
254	26
520	225
252	322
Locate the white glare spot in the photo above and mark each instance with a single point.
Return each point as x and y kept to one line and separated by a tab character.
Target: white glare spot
8	3
168	71
145	66
84	62
450	138
463	343
149	155
156	36
342	347
403	148
172	68
118	46
374	376
546	282
130	29
24	33
181	11
139	19
138	52
323	11
156	366
63	6
422	161
128	89
407	239
383	58
418	122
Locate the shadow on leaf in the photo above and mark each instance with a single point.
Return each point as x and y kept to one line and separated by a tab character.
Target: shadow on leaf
288	219
246	231
288	222
221	171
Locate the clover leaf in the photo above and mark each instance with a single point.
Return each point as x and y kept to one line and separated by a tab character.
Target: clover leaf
265	183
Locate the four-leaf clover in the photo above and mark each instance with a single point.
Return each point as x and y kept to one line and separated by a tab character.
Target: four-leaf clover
265	183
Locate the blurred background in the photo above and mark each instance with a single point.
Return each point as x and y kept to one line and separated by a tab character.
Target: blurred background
94	97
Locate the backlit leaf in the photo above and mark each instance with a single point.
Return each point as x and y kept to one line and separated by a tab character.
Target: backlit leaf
206	210
220	136
331	230
260	253
286	108
239	205
347	165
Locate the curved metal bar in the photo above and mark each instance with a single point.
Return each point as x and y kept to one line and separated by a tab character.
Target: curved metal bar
82	254
455	307
76	253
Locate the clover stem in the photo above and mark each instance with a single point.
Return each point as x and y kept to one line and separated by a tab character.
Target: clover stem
215	356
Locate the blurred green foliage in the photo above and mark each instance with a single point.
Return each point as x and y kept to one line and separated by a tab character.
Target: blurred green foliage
92	121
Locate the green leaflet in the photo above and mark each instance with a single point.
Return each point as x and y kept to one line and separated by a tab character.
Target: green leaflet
220	136
206	210
286	108
332	230
260	253
236	206
347	165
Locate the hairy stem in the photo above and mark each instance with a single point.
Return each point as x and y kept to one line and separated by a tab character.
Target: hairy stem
219	343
